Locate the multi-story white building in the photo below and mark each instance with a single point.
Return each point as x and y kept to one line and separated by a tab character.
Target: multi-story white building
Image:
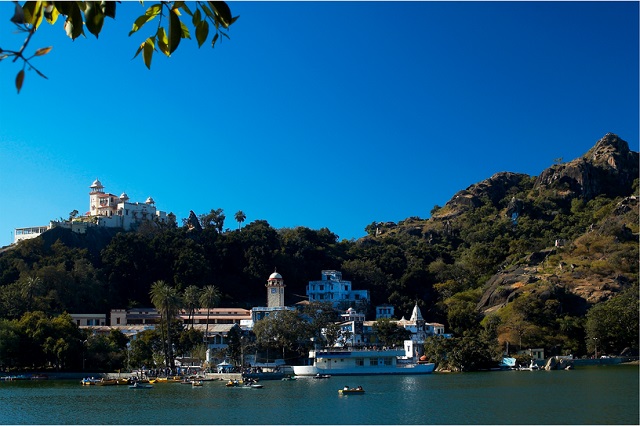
111	211
332	288
106	210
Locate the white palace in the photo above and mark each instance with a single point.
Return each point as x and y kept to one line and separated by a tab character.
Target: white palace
106	210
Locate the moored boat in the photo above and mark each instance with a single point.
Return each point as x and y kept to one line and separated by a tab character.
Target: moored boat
140	386
360	361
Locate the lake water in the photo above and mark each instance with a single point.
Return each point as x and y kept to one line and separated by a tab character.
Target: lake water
586	395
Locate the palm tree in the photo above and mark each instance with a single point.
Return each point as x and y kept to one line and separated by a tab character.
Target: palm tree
191	299
31	288
166	300
209	299
240	217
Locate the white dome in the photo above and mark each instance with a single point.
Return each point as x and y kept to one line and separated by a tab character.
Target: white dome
275	276
96	184
124	196
150	201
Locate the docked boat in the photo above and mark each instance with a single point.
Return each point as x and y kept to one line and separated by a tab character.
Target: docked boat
89	381
197	383
348	391
360	361
140	386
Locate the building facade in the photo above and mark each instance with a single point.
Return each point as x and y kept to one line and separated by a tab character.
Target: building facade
332	288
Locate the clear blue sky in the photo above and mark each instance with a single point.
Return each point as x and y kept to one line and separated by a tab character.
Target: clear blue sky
316	114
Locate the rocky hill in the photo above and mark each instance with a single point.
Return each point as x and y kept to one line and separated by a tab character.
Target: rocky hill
580	245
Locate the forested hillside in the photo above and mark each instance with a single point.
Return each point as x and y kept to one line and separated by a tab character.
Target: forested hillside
522	256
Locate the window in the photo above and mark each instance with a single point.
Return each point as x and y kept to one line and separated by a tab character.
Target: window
360	362
373	361
274	290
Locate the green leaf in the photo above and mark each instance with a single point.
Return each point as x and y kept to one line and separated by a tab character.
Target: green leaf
175	31
139	50
18	15
19	80
147	52
63	7
73	25
163	41
184	7
51	14
196	18
215	38
152	12
222	11
184	31
33	13
202	32
94	18
208	12
109	9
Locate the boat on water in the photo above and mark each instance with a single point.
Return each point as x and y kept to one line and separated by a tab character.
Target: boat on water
340	361
348	391
249	384
140	386
197	383
322	376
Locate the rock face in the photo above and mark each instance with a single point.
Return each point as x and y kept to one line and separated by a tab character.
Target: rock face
193	224
608	168
495	189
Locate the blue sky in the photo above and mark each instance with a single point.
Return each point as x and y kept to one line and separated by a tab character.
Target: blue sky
316	114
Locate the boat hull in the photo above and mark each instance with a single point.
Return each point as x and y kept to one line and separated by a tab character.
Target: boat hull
311	370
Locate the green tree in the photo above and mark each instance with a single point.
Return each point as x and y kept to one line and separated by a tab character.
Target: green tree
613	325
167	301
389	333
240	217
9	344
191	299
283	330
214	219
209	299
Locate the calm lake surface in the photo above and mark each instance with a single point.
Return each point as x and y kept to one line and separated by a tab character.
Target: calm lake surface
586	395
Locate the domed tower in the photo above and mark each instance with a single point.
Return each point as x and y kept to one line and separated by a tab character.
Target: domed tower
275	290
97	190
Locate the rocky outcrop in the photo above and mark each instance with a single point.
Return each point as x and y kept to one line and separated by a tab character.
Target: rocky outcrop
609	168
495	189
192	223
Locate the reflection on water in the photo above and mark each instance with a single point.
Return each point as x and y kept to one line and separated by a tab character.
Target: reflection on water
590	395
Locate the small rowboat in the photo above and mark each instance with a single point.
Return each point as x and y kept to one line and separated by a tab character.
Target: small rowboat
350	391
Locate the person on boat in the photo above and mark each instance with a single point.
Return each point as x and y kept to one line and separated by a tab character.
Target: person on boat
359	388
346	388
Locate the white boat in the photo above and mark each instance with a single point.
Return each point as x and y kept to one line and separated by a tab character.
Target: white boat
354	361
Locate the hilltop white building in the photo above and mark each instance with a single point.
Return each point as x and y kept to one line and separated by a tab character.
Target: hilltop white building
106	210
111	211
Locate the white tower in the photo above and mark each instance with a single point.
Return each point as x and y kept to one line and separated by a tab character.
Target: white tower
275	290
96	191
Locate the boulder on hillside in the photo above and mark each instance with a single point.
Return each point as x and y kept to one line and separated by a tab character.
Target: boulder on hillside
609	168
